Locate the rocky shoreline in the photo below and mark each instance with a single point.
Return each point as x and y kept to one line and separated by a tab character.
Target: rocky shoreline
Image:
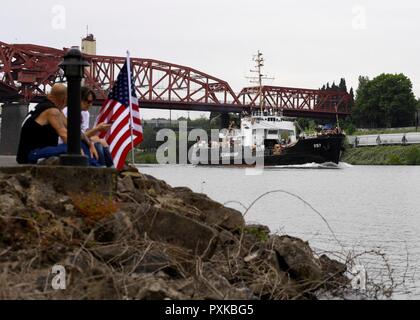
145	240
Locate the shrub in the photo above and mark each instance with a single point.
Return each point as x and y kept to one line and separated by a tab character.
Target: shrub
259	233
413	156
394	159
349	129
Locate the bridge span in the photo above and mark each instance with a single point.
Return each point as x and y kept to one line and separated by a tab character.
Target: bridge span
27	72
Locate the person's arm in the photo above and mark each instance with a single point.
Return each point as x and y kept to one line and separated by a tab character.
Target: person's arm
100	127
91	145
57	120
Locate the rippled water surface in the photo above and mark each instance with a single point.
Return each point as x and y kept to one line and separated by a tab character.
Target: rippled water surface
367	207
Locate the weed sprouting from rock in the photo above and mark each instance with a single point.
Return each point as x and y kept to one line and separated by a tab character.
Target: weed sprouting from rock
94	206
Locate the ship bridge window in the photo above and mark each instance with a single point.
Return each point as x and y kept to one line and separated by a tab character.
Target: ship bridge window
287	133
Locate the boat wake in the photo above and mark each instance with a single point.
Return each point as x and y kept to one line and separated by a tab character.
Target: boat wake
326	165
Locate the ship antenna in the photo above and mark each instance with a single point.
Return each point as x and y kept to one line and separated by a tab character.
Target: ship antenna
259	60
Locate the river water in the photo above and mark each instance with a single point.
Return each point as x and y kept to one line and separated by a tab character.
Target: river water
366	209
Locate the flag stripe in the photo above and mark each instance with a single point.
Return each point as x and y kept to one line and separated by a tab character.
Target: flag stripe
103	115
119	125
108	115
118	152
119	161
121	138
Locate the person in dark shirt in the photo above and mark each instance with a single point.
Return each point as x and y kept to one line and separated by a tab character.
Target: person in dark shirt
42	128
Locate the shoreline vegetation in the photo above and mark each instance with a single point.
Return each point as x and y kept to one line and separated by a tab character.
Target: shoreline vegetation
144	157
382	155
368	156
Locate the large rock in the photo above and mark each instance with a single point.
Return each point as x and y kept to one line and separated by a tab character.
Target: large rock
70	179
214	213
169	227
136	259
333	272
296	258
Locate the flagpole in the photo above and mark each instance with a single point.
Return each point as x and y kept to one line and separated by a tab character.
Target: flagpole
131	106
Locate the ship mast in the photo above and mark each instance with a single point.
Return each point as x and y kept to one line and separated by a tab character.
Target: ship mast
259	60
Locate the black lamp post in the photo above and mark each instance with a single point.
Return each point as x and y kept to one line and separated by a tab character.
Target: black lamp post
74	65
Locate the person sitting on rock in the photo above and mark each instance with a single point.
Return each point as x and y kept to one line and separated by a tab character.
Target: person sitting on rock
102	147
43	126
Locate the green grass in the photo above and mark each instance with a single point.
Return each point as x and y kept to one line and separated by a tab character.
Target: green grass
145	157
383	155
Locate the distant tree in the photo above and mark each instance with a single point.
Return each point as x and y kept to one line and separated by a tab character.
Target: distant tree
149	139
385	101
306	124
200	123
352	99
342	86
348	126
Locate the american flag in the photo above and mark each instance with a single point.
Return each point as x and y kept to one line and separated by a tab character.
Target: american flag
126	131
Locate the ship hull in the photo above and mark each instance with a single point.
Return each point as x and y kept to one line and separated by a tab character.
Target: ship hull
313	150
323	149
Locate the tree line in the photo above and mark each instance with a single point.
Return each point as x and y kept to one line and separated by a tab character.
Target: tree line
385	101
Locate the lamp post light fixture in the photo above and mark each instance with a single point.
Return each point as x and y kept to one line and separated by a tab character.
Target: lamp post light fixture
73	66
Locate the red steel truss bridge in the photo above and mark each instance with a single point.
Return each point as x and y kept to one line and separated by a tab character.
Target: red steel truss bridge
28	71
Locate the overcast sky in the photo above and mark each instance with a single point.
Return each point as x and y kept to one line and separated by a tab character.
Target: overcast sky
305	43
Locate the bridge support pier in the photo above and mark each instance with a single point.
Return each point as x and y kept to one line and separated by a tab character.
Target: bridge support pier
224	120
93	112
12	117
